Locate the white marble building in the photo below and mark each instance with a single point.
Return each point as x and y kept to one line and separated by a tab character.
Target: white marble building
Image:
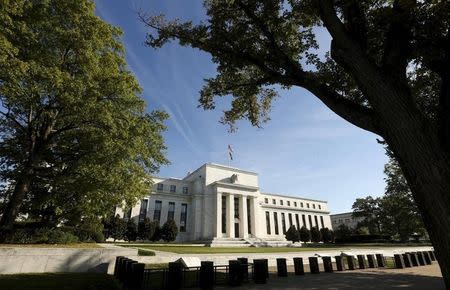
221	204
345	218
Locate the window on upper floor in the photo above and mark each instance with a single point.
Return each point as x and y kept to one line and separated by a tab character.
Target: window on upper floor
320	207
307	205
160	187
185	190
295	203
274	201
266	200
173	188
281	202
301	204
288	203
314	206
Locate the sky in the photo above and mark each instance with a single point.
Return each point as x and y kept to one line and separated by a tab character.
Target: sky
305	150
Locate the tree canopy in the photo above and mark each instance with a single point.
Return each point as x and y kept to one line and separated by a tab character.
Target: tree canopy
75	137
386	72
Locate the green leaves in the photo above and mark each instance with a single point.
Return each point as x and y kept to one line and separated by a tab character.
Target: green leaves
72	112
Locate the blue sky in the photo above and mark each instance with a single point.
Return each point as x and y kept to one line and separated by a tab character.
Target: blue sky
305	150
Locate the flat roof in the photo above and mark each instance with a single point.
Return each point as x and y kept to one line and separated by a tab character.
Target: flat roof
289	196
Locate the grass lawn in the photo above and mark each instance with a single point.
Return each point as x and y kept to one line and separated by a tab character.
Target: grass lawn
181	249
60	281
75	245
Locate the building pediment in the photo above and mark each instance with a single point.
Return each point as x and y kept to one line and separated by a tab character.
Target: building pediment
236	186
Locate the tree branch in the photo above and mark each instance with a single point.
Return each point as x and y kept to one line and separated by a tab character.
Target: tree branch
9	117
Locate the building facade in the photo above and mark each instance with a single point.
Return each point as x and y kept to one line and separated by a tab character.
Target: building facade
218	203
345	218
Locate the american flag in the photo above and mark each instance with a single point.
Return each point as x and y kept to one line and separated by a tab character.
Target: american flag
230	151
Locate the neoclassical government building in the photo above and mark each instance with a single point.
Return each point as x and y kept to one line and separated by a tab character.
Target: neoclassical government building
219	204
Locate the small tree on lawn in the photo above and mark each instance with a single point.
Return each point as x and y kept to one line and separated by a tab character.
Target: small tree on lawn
157	234
343	233
326	235
305	235
131	232
117	229
146	229
315	235
292	234
169	231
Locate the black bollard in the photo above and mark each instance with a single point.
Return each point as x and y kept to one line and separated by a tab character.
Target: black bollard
266	264
298	266
351	262
427	257
361	261
138	275
432	256
327	264
313	265
234	273
244	267
174	276
371	261
339	263
420	259
414	260
121	269
281	267
380	260
260	271
407	260
128	279
206	275
116	265
399	264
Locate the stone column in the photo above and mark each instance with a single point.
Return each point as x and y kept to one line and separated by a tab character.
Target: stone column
254	217
219	215
230	215
243	224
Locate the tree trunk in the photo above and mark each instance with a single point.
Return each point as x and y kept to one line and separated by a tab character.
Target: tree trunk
15	201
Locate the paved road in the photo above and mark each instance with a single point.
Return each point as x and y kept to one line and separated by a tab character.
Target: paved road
417	278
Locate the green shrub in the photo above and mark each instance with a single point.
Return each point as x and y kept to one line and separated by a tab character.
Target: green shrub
305	234
53	236
131	232
169	231
142	252
292	234
326	235
146	229
315	235
19	236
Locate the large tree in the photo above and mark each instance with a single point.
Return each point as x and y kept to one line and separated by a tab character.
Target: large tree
75	139
386	72
368	208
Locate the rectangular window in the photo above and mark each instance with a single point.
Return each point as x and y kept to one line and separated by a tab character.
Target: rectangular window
275	220
297	221
157	213
224	214
314	206
143	210
173	188
268	222
171	211
321	222
320	207
303	220
290	219
307	205
301	204
160	187
274	201
295	203
185	190
283	222
310	222
236	207
266	200
281	202
249	224
288	203
315	220
183	217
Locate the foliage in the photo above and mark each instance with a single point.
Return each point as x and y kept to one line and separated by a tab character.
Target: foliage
157	235
75	138
131	232
343	233
369	209
116	228
326	234
293	234
39	236
305	234
169	231
90	230
142	252
146	229
315	235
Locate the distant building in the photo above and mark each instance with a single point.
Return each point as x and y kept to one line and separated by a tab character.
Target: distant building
222	204
345	218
